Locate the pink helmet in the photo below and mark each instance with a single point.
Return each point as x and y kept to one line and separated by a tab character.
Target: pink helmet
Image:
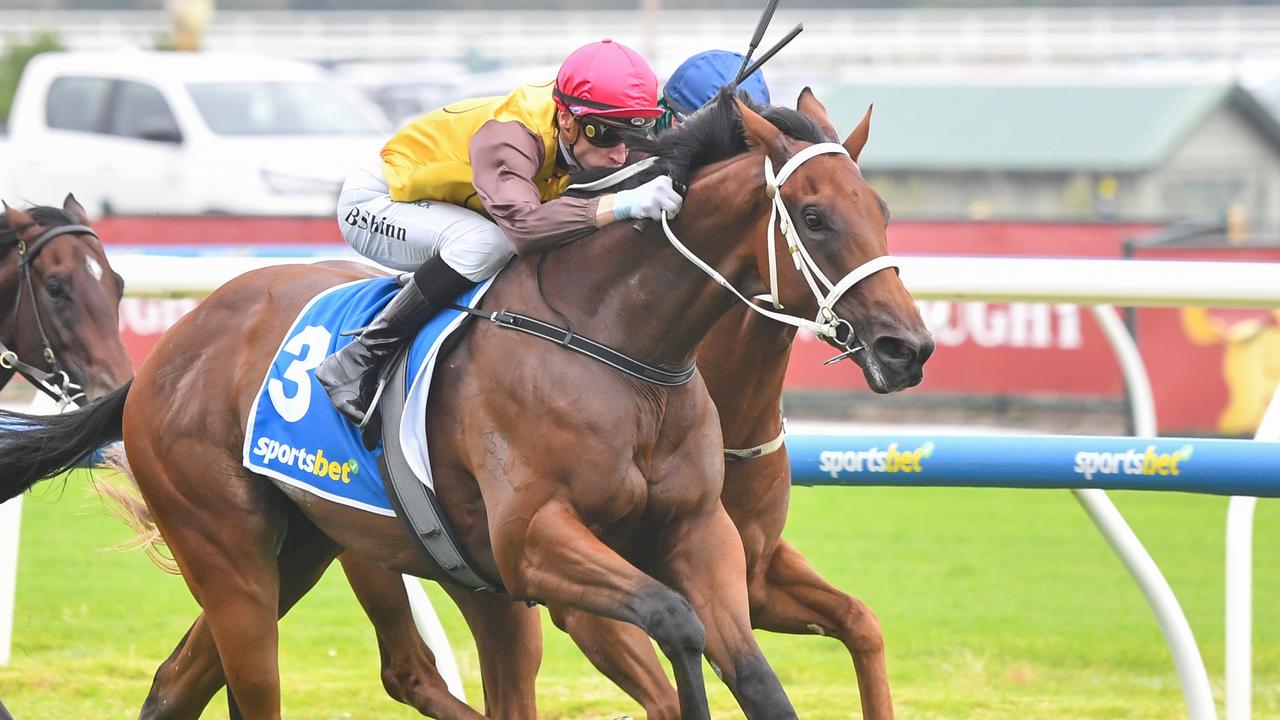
609	80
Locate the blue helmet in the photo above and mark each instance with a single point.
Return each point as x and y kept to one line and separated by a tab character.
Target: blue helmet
698	79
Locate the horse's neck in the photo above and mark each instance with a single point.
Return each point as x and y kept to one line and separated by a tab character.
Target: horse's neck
744	361
640	296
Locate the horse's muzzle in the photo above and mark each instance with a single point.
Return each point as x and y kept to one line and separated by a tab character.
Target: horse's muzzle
900	360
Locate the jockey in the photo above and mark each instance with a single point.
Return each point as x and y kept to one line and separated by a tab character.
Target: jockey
462	188
698	79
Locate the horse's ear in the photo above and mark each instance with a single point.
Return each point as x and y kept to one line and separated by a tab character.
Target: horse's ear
16	217
761	135
809	107
858	138
74	207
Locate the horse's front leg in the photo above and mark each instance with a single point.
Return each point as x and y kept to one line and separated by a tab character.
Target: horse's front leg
791	597
409	672
705	561
547	553
625	655
508	637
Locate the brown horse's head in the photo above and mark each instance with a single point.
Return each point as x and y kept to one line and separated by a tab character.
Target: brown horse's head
840	222
67	293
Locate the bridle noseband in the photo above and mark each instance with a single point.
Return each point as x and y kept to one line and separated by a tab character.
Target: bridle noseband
826	324
56	384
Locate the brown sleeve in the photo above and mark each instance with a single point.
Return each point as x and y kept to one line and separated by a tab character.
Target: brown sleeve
505	157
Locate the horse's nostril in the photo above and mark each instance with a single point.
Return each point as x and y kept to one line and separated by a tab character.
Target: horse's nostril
895	350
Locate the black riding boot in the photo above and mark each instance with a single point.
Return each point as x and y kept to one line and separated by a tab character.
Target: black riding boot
350	376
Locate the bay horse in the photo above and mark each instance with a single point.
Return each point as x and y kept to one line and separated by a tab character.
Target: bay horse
605	499
743	361
59	305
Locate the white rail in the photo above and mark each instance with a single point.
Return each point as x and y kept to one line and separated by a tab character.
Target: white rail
1239	600
1128	283
1196	690
10	532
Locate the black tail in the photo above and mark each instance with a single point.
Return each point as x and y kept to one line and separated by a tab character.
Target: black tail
35	447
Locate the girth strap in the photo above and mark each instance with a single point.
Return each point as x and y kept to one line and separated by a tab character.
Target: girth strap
571	340
415	503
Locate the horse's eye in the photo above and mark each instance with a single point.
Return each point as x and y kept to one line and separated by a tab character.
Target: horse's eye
812	219
57	289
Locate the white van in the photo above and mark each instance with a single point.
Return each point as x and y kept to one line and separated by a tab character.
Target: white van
185	133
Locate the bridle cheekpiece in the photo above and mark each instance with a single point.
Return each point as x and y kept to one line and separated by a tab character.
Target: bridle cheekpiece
826	324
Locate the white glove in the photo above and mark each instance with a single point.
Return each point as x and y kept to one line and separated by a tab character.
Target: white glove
648	200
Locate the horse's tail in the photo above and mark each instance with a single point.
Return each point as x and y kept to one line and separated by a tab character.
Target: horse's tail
35	447
128	505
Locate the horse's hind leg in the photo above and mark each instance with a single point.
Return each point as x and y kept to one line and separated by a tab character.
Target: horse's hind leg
187	680
794	598
409	671
192	674
624	655
224	527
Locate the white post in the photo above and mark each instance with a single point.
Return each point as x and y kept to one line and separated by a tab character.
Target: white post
10	522
429	627
1173	622
1239	601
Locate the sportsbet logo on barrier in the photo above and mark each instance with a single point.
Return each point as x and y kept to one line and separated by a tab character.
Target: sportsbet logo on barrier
1131	462
875	460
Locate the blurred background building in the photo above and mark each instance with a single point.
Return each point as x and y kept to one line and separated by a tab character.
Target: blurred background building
1144	111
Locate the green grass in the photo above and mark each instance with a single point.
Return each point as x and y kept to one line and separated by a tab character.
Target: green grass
995	604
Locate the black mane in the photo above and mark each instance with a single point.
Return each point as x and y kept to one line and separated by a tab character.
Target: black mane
708	136
44	215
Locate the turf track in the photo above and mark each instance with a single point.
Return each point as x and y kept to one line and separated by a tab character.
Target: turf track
995	604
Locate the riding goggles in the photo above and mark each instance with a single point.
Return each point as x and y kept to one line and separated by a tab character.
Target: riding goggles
607	133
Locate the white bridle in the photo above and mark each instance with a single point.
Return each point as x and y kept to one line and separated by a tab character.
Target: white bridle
825	323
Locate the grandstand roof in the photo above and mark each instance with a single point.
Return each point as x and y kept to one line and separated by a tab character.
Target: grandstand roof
1036	128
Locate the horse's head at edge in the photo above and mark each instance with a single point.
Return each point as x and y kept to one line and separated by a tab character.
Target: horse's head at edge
77	298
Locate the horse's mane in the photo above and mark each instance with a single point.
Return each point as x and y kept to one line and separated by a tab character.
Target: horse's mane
45	215
709	135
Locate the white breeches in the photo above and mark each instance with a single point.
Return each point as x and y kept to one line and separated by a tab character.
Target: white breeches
402	235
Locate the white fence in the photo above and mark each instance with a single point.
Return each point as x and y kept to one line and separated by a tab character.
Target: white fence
1099	283
833	37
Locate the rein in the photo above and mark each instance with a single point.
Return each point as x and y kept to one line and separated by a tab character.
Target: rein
56	384
567	338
